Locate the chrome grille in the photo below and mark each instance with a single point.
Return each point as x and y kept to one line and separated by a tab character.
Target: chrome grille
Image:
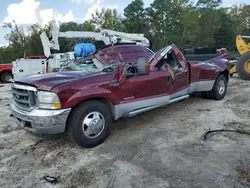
24	97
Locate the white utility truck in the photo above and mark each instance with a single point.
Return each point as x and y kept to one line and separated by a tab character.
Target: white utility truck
25	67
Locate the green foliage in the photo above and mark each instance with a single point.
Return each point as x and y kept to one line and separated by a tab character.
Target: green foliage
204	24
209	3
107	19
135	20
224	35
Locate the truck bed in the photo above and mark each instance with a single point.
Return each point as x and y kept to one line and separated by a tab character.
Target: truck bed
203	54
200	57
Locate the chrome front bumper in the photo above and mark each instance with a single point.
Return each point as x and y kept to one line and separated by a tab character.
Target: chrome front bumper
41	122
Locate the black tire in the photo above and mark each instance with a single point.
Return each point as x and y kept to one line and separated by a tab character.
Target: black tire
240	66
75	121
206	94
5	78
215	93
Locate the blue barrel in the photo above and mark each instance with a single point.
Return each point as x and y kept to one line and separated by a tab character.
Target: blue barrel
84	49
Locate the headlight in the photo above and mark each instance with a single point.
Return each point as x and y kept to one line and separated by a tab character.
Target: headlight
48	100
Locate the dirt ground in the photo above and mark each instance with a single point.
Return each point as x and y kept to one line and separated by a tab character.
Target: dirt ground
160	148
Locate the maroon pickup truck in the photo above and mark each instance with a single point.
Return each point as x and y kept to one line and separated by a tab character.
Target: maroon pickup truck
85	96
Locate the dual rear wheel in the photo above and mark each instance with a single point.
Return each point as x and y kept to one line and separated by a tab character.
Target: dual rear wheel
219	89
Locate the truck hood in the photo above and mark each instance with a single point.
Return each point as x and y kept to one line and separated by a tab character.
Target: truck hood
50	80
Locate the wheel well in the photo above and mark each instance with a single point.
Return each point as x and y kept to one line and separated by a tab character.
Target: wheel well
104	101
5	71
226	74
8	71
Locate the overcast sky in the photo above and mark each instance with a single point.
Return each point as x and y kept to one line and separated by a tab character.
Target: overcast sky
42	11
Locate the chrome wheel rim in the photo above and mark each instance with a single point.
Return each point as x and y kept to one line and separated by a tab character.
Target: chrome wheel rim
221	87
93	124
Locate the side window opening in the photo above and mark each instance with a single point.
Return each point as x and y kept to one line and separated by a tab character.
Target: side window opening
170	59
173	61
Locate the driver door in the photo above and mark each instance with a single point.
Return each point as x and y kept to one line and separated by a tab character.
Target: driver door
180	83
143	87
170	60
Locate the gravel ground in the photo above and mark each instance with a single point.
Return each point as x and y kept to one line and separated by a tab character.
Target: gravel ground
160	148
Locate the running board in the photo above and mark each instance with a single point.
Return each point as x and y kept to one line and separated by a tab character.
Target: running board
178	99
135	112
139	111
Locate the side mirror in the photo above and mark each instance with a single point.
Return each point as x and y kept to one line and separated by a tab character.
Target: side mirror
143	68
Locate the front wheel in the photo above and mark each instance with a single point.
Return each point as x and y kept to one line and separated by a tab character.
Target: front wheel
6	77
89	124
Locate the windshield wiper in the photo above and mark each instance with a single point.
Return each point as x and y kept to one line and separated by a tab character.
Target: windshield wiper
110	68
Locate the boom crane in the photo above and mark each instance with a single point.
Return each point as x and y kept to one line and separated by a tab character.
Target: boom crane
107	36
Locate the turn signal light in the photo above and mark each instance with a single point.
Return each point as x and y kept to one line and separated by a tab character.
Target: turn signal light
57	106
147	67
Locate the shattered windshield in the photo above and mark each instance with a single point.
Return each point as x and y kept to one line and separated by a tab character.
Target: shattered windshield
91	64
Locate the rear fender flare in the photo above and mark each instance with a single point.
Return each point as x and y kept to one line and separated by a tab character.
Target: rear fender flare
225	72
221	68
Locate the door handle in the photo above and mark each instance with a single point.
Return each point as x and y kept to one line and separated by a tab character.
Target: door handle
21	70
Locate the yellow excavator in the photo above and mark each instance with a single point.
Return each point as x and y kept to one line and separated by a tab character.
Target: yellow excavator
242	66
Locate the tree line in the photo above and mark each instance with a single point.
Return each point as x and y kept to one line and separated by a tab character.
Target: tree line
204	24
